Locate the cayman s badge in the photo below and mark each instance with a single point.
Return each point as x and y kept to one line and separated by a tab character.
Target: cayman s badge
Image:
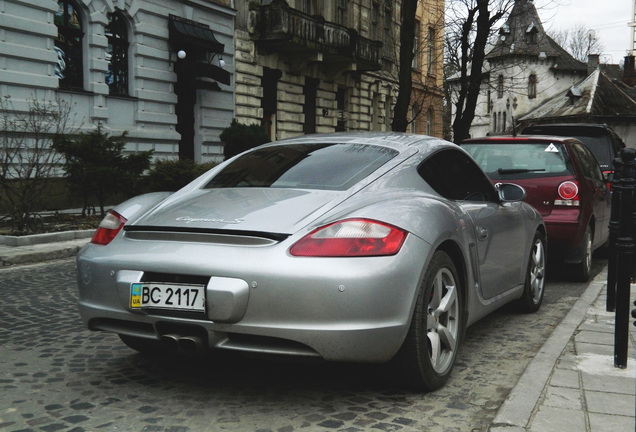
188	219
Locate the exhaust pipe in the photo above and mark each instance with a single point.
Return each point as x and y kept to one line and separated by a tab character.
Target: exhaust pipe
190	344
171	341
184	344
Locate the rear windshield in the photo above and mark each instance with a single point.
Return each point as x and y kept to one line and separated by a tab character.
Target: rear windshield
596	140
599	146
503	161
303	166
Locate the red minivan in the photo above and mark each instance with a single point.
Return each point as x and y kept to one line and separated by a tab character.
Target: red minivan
563	181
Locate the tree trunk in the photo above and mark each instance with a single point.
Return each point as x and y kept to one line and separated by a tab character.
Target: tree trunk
405	82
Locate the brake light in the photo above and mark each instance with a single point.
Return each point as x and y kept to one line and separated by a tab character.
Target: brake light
108	228
569	193
351	238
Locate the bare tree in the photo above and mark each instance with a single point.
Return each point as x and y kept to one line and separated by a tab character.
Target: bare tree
580	41
415	58
27	160
469	26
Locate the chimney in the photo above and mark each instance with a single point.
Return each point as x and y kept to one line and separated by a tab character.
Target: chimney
629	75
592	62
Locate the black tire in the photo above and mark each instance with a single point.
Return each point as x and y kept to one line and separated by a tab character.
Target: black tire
142	345
583	269
428	354
532	296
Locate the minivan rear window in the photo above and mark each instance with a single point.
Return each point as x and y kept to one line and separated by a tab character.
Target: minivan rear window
331	166
507	161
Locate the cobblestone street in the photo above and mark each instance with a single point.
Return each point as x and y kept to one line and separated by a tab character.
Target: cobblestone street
57	376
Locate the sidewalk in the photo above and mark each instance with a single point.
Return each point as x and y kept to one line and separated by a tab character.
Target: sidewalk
571	385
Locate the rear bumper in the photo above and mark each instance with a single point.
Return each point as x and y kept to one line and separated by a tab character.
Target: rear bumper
337	309
565	240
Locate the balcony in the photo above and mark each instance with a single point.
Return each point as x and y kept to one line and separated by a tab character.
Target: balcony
303	39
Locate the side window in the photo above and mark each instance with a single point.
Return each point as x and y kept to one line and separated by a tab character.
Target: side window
588	162
454	175
68	45
117	55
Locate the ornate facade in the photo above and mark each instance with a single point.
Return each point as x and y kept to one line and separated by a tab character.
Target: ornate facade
174	74
307	66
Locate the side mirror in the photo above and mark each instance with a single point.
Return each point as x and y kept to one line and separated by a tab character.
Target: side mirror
509	192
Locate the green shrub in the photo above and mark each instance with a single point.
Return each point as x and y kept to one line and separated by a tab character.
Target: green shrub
95	166
172	175
239	137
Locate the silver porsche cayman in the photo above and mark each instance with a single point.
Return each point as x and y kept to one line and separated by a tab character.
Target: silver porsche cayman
357	247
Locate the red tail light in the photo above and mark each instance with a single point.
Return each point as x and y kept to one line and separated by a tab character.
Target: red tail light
351	238
569	193
108	228
609	177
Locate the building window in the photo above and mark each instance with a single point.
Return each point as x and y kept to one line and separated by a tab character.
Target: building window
429	122
117	55
375	22
415	64
305	6
388	106
388	22
376	120
413	120
431	51
341	12
341	104
500	86
532	86
310	90
68	45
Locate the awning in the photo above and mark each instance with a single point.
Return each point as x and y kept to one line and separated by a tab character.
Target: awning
212	71
189	33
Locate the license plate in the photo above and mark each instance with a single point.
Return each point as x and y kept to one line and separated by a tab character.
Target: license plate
167	296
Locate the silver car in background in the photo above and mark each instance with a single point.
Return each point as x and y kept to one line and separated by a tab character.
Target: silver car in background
356	247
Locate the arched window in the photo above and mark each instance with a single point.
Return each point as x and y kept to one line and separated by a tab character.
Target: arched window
532	86
117	55
68	45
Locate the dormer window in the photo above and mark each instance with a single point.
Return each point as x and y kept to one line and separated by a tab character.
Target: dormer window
574	94
531	33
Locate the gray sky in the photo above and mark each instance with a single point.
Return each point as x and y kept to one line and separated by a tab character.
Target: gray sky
608	18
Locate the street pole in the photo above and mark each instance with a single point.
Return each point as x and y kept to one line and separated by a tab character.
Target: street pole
614	225
625	253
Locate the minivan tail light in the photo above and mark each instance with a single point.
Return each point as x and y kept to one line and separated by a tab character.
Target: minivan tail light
351	238
108	228
569	194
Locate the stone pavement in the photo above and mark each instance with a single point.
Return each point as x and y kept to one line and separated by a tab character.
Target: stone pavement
570	385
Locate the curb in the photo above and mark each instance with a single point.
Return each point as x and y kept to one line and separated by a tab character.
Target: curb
35	239
41	247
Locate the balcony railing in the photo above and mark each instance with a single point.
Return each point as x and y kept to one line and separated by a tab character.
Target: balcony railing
279	28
